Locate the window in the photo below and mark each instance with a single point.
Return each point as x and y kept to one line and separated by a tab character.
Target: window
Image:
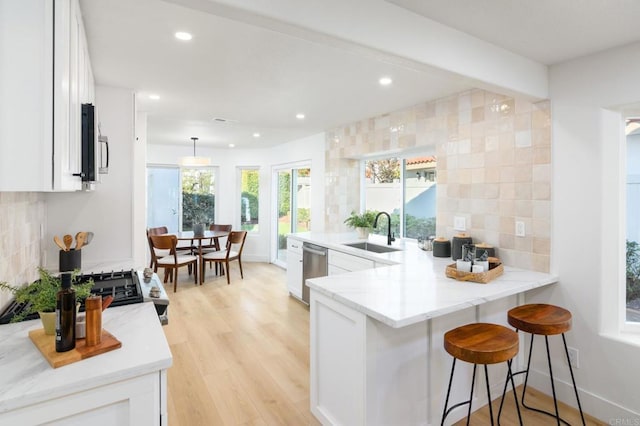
198	197
632	294
249	199
406	189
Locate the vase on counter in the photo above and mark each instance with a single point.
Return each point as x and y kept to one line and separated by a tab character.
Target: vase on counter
48	322
198	229
363	233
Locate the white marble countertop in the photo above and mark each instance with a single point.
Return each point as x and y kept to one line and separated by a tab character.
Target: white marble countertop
27	378
414	287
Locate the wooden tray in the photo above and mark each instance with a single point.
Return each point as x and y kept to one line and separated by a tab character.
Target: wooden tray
47	346
495	270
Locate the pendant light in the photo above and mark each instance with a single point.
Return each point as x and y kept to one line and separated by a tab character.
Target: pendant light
195	161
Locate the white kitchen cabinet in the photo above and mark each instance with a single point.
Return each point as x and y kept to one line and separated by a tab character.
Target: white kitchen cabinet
342	261
126	386
294	267
46	76
336	270
129	402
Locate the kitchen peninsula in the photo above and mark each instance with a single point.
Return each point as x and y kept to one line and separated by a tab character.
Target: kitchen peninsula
376	333
126	386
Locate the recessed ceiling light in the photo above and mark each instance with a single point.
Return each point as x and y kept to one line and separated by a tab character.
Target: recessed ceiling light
385	81
231	145
224	120
300	116
181	35
154	97
256	135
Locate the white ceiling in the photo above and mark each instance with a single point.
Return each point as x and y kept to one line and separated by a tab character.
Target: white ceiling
547	31
259	77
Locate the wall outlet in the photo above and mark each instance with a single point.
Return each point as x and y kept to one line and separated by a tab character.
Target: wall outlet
520	231
459	223
573	357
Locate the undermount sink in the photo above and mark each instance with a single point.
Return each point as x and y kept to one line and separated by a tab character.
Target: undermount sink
372	247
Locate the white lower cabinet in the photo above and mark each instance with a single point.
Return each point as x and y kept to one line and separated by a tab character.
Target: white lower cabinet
366	373
338	362
339	261
294	267
137	401
336	270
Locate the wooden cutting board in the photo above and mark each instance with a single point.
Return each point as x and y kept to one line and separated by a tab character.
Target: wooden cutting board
47	346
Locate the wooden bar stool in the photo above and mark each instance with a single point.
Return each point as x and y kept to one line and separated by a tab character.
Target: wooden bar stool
481	343
545	320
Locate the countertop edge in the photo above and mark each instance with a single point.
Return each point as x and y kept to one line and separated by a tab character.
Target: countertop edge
358	293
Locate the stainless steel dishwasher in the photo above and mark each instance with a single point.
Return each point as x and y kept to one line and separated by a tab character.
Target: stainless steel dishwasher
314	265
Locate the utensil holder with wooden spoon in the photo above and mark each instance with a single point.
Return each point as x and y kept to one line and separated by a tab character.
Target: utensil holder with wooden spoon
70	260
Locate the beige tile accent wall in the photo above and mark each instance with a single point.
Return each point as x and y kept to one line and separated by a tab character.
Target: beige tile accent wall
21	214
494	167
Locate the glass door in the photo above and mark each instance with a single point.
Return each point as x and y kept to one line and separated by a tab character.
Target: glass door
163	197
283	224
293	198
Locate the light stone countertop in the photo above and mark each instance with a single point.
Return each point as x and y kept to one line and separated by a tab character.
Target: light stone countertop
414	287
26	377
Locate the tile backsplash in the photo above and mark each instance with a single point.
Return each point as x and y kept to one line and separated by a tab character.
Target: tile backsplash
493	167
21	215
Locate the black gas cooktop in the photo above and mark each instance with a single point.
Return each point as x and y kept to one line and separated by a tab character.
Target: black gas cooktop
122	285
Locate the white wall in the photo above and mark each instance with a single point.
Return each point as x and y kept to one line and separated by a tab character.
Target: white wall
109	211
588	228
227	161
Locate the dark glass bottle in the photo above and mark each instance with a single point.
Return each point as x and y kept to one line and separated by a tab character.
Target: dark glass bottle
66	316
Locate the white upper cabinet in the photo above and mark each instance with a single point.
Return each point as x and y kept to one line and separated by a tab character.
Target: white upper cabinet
45	76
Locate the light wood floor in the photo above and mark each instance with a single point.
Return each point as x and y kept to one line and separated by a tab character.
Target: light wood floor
241	354
240	351
534	399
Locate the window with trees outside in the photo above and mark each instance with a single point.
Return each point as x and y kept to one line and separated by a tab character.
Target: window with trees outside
632	294
249	199
198	197
406	189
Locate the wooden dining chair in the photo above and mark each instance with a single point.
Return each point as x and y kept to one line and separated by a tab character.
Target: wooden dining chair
155	253
173	261
214	243
233	251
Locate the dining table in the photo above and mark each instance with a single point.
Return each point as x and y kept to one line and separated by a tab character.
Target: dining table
208	235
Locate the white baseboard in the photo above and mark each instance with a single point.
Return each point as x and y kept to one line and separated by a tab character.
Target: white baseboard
607	411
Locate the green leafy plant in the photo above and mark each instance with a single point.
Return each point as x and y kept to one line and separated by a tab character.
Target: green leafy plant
633	270
364	220
40	295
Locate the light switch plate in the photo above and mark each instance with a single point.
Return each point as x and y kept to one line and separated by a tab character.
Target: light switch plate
520	230
459	223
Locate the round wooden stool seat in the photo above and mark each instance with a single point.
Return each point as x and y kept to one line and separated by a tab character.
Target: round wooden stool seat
482	343
540	319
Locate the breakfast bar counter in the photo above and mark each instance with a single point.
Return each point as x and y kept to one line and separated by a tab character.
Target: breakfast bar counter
376	334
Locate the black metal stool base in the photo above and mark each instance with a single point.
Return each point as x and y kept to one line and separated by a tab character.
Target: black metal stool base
446	411
553	388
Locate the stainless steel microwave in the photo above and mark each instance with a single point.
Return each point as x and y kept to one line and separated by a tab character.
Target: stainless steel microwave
95	148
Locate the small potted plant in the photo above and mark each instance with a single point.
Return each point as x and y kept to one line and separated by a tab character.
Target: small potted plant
40	296
362	223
